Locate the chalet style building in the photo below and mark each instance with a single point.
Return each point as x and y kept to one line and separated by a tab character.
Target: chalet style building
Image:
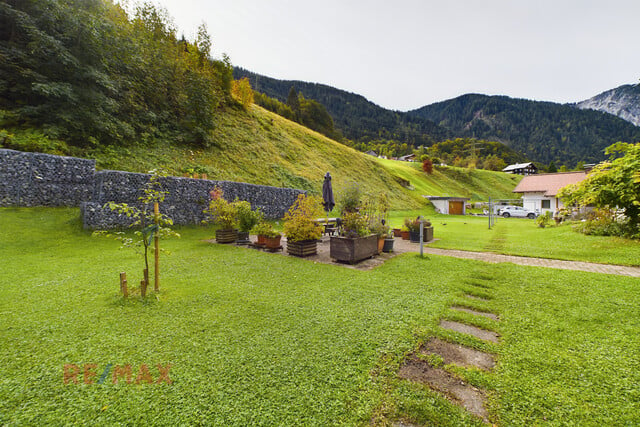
521	169
539	192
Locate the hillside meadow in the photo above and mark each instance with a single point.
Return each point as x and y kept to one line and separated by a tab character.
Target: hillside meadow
260	147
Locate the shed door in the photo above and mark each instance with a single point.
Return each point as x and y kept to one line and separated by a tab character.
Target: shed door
455	208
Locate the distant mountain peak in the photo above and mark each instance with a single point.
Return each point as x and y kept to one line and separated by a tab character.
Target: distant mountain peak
623	101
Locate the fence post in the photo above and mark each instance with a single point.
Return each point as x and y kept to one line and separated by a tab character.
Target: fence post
421	236
156	273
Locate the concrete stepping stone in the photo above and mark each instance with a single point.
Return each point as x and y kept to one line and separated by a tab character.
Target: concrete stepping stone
475	297
458	354
478	284
470	330
456	390
476	312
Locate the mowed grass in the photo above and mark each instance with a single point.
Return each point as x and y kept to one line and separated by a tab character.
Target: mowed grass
521	236
262	339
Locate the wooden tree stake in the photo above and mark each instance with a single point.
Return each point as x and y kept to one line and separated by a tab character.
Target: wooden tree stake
143	288
156	273
123	284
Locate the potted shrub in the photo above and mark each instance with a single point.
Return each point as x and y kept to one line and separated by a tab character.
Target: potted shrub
300	227
224	214
247	219
381	230
272	240
263	229
404	233
388	243
355	241
413	226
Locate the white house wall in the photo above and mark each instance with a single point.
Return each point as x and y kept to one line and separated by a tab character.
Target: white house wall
533	201
442	206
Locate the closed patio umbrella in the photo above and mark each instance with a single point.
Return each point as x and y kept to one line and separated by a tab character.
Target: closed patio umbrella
327	194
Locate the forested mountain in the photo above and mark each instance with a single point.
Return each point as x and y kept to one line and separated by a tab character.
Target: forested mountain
476	153
543	131
86	72
357	118
623	101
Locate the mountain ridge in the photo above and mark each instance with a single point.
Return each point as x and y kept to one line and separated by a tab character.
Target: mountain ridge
544	131
622	101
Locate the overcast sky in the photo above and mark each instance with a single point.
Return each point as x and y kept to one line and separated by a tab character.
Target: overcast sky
403	54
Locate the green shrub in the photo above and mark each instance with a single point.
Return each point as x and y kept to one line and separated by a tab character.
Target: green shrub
544	220
266	229
300	222
32	140
354	224
222	212
247	218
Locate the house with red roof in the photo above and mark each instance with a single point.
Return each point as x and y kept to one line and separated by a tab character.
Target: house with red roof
539	192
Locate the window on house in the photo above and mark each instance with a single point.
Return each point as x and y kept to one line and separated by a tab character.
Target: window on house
546	204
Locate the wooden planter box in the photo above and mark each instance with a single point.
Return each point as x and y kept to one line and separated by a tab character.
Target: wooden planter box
302	248
427	235
226	236
353	250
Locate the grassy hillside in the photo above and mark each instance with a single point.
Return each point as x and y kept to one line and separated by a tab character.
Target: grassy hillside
261	147
477	184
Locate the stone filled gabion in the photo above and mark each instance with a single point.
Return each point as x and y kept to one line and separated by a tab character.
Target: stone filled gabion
35	179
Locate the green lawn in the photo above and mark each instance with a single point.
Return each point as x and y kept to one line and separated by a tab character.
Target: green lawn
261	339
520	236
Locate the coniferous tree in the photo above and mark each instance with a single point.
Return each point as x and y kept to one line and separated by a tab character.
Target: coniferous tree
293	101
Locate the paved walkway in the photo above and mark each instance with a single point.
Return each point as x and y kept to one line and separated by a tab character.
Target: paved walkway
403	246
537	262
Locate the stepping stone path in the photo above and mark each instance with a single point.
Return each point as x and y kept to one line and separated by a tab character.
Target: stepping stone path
470	330
458	354
454	388
475	312
471	398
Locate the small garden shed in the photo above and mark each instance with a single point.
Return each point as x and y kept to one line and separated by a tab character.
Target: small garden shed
449	205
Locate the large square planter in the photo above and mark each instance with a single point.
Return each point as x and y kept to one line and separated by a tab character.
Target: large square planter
352	250
302	248
427	235
226	236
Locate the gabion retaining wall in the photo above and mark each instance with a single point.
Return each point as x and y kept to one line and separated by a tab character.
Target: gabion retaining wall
34	179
